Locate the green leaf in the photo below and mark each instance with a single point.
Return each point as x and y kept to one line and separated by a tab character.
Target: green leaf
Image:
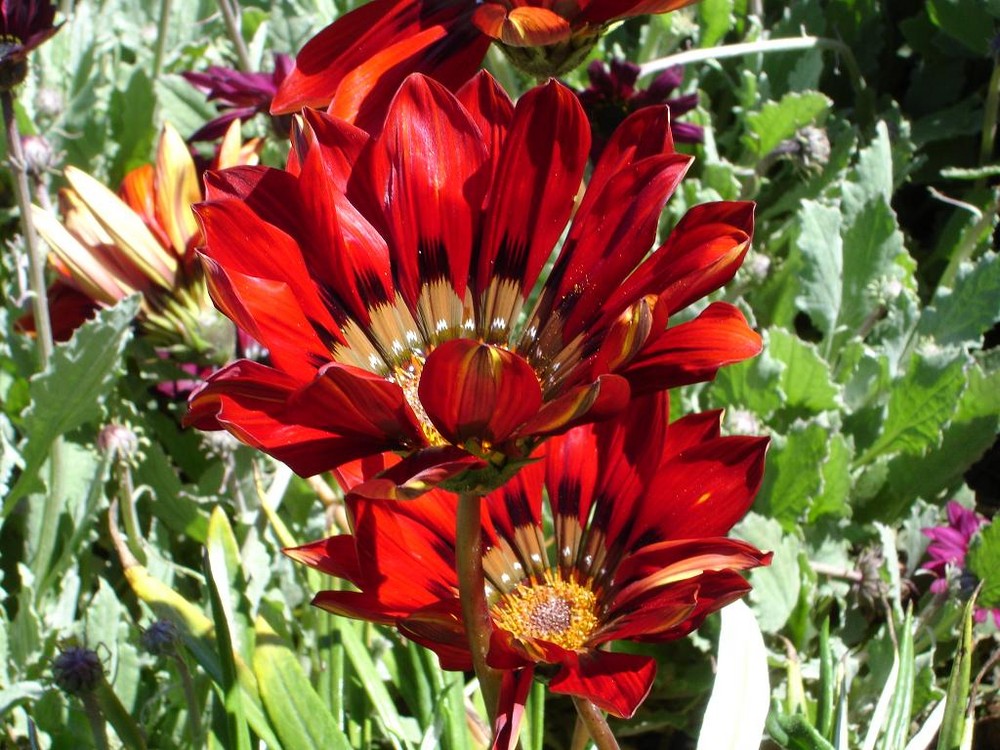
220	592
968	21
805	380
795	732
716	18
901	705
961	315
984	561
921	404
296	711
132	126
70	392
752	384
834	498
953	726
821	247
777	121
791	482
775	588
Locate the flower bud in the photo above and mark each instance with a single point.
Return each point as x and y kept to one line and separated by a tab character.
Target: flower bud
39	156
77	670
118	441
160	638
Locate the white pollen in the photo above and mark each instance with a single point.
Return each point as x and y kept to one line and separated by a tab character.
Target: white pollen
397	346
505	578
441	325
535	557
588	559
517	566
469	325
566	551
411	337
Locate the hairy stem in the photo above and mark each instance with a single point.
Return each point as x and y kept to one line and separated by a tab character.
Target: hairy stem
472	592
597	725
231	17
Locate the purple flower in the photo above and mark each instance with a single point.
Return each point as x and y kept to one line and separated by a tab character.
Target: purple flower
947	550
612	96
24	24
239	95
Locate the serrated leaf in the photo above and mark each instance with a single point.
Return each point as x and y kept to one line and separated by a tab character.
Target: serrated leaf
822	249
71	390
716	18
806	379
775	588
752	384
834	498
921	403
777	121
984	560
737	709
961	315
791	481
298	715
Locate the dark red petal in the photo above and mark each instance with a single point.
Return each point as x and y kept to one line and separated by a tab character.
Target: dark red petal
339	142
361	36
418	473
518	504
357	605
704	490
701	254
571	471
238	239
616	683
514	688
607	242
269	311
693	352
643	134
601	399
439	628
477	391
250	401
336	556
351	401
540	170
691	430
427	169
492	110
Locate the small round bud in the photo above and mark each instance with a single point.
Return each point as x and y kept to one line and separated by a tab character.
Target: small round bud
118	441
757	265
38	154
160	638
815	144
77	670
872	589
49	102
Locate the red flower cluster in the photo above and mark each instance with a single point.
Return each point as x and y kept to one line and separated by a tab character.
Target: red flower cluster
393	280
356	63
638	511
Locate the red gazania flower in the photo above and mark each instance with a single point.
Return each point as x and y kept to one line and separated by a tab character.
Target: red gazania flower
238	95
356	63
638	513
24	24
388	276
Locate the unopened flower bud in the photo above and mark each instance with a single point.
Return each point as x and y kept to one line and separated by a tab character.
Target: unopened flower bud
160	638
38	154
815	146
118	441
49	102
872	589
77	670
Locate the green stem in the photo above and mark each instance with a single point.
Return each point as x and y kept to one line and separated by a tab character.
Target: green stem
126	495
472	592
597	725
990	114
191	696
161	39
96	720
232	19
53	506
966	247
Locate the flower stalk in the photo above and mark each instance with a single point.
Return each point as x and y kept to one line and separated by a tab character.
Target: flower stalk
593	718
231	17
472	591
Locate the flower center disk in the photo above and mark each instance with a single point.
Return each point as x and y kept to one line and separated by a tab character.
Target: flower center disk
558	611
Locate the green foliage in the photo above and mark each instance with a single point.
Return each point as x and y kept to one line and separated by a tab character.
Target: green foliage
984	561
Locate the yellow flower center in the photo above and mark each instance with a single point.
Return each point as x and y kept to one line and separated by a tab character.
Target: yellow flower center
407	377
558	611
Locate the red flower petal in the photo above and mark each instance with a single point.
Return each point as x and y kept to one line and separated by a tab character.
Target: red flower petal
250	400
417	474
692	429
336	556
492	110
704	490
439	628
603	398
533	196
514	688
693	352
477	391
602	11
616	683
427	169
521	26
